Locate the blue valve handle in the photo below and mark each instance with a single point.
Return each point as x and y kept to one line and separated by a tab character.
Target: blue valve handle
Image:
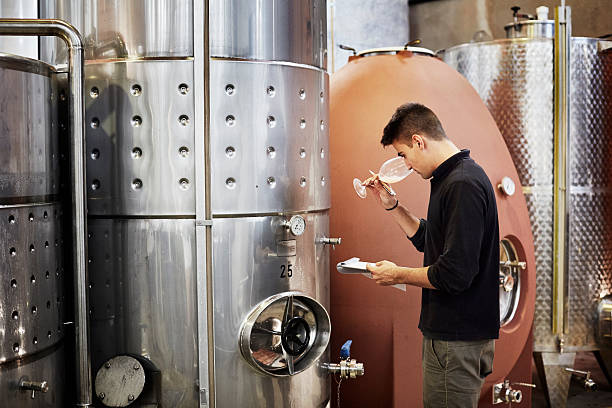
345	350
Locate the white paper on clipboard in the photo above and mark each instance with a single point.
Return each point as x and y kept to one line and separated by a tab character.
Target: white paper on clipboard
355	266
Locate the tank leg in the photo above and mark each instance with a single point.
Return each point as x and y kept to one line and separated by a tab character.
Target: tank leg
604	359
554	378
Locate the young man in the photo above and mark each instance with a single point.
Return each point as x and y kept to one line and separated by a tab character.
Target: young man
460	241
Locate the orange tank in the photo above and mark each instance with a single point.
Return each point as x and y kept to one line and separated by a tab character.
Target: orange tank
382	321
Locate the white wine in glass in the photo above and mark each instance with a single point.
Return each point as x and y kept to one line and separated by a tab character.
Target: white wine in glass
391	171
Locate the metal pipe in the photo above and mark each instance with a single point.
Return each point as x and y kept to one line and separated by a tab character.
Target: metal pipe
561	169
72	38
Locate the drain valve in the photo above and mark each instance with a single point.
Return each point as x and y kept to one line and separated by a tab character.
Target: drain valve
348	367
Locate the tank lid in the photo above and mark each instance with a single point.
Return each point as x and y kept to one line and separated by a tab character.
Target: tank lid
394	50
18	63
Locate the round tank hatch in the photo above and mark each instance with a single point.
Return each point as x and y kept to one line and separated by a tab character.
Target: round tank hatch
120	381
285	334
509	281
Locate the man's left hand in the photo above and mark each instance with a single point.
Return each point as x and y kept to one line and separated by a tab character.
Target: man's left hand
384	273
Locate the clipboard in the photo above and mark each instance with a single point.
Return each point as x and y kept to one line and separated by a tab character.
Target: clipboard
356	266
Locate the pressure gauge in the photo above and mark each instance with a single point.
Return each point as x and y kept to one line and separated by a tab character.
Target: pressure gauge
507	186
297	225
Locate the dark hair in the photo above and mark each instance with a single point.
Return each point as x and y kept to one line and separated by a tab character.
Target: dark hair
410	119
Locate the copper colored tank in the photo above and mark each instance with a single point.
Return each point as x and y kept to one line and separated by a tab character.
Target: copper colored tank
382	321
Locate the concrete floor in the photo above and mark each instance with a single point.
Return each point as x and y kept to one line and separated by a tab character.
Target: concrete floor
578	397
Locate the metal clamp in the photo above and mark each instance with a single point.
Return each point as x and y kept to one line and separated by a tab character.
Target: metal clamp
346	369
26	384
589	384
515	264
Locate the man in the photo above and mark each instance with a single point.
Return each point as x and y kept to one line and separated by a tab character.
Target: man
460	240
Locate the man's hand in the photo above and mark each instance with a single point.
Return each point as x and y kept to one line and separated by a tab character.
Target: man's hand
374	184
385	273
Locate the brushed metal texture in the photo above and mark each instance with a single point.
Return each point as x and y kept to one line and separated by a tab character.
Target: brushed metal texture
140	138
31	289
143	299
269	138
246	271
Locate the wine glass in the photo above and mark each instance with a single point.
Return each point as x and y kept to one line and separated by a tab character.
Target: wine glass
391	171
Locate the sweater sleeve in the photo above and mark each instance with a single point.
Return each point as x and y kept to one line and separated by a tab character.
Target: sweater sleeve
464	212
418	239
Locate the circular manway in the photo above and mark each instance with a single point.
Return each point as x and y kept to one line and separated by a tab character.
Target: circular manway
509	281
285	334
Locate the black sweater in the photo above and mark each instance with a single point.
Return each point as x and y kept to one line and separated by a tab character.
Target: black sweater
460	241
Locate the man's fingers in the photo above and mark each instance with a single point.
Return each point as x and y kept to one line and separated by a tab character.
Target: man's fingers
379	263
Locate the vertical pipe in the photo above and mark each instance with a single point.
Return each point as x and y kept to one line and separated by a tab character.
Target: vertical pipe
203	212
561	169
72	38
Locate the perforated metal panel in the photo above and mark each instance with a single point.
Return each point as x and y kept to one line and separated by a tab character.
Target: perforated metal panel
140	138
31	286
269	138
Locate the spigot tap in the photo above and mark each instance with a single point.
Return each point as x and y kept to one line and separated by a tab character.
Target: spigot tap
503	393
26	384
329	241
589	384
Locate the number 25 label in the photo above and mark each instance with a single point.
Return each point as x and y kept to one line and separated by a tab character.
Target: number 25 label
286	271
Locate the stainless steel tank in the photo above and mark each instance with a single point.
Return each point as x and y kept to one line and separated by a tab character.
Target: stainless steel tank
32	336
516	79
208	198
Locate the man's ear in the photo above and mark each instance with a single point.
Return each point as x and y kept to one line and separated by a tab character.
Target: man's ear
418	141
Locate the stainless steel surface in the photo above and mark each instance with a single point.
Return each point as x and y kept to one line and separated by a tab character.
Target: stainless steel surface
531	29
73	42
125	29
561	163
515	79
23	46
591	194
143	299
32	299
557	378
269	138
271	30
285	334
31	295
140	138
119	381
48	365
29	159
604	322
244	276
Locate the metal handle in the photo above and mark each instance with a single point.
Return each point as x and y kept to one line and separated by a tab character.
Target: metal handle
412	43
72	38
347	48
522	384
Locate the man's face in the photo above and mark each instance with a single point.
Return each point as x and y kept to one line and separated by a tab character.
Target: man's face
414	156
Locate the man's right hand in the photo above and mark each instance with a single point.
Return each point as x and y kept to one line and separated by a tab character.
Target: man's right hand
374	185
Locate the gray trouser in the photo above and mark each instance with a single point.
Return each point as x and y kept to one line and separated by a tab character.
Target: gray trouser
454	371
